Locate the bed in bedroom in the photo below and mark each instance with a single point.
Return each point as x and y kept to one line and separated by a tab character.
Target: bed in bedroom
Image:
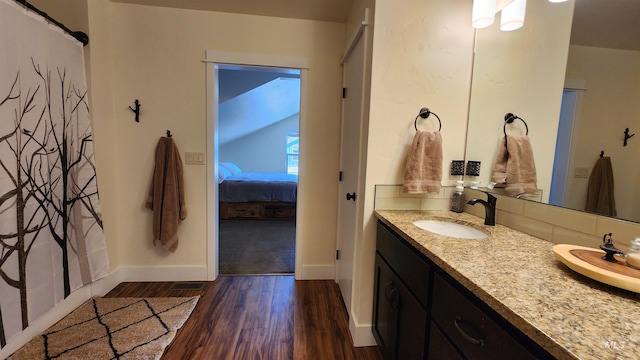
255	195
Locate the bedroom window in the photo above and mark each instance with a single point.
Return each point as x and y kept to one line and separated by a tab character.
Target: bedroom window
293	152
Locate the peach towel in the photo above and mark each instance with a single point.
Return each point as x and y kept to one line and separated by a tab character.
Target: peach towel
423	170
166	195
515	167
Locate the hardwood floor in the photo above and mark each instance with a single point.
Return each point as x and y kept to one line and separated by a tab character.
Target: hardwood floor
259	317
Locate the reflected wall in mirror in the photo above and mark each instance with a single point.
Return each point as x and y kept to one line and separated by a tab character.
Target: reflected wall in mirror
550	71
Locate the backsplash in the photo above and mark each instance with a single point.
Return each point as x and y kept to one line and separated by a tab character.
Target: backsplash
552	223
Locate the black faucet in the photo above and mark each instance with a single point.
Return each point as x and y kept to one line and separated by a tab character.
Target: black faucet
489	208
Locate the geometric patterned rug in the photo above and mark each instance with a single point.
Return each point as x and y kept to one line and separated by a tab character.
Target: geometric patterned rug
112	328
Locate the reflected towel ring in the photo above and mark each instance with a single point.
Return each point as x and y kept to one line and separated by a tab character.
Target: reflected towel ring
509	118
424	113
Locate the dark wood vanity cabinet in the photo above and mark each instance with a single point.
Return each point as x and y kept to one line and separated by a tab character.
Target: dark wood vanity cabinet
419	312
400	301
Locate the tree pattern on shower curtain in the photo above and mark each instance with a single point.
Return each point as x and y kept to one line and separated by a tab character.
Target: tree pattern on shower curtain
51	236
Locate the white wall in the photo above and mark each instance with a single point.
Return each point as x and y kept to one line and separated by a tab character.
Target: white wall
422	56
608	106
156	55
262	151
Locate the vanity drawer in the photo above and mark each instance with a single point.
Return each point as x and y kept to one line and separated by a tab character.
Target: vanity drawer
410	267
470	328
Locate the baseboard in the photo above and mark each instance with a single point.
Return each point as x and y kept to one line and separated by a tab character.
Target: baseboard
164	273
317	272
361	334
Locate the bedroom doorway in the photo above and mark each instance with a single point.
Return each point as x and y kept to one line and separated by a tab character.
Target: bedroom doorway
257	157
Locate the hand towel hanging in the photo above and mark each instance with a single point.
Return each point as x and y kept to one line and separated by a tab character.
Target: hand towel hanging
515	167
166	195
423	169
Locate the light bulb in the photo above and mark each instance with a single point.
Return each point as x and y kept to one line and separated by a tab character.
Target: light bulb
512	15
483	13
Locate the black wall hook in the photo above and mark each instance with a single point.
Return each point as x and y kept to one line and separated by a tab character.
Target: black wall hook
168	133
627	136
136	110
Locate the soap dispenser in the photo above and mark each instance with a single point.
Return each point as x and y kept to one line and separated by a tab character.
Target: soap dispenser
457	201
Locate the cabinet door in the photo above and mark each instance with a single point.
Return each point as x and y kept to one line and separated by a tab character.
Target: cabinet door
399	321
384	314
439	347
412	325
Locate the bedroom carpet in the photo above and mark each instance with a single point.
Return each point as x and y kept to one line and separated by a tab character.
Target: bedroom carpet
112	328
257	247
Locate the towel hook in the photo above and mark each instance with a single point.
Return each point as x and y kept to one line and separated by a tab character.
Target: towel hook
136	110
627	136
424	113
168	133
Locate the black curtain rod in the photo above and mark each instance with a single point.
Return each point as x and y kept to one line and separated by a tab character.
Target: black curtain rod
79	35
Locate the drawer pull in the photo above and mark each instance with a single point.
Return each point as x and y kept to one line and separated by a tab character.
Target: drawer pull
471	339
387	290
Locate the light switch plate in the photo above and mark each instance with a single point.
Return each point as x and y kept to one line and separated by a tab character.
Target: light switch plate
580	172
194	158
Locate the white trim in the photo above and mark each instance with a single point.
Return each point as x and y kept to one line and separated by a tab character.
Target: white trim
213	59
164	273
361	334
248	59
212	172
316	272
356	36
575	84
304	152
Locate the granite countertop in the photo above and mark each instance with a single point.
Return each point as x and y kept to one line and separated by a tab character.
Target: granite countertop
517	275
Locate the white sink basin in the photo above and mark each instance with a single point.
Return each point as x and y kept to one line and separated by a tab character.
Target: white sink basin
452	229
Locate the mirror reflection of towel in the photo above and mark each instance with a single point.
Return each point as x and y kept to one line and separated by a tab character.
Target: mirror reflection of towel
600	197
423	170
515	167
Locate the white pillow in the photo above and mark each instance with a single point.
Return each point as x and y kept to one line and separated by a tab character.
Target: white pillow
235	170
223	173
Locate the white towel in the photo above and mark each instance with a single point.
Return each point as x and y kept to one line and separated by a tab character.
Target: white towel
423	170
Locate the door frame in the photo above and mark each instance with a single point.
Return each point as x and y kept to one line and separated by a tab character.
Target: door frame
361	333
212	60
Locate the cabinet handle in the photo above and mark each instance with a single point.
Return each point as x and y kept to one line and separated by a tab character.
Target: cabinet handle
394	300
387	291
471	339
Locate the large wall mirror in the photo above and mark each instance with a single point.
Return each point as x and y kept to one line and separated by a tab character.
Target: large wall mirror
572	73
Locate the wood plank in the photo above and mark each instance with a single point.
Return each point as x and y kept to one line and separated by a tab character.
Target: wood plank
259	317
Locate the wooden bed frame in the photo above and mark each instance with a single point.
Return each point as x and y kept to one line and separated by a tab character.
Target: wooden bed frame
262	210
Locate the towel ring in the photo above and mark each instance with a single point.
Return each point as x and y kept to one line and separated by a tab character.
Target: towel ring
424	113
509	118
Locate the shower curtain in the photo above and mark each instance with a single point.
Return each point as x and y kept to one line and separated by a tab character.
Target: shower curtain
51	236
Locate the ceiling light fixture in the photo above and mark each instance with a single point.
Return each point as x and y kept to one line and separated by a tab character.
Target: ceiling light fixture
483	13
512	15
